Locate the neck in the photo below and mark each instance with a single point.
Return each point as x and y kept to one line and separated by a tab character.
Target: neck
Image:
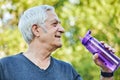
39	55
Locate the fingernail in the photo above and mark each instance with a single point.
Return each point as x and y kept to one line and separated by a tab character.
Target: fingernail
113	50
110	48
106	45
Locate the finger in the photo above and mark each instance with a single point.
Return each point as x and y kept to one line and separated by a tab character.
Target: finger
109	48
97	61
102	42
113	50
95	58
106	46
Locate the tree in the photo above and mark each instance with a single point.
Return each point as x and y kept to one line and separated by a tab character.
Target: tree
77	16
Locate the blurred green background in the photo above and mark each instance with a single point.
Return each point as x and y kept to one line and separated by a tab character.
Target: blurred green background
102	17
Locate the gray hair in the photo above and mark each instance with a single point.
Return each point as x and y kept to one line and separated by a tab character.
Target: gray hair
35	15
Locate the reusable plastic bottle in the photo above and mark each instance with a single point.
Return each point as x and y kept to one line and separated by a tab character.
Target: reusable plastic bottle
109	59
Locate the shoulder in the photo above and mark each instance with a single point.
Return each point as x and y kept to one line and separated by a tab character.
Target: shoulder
67	68
9	59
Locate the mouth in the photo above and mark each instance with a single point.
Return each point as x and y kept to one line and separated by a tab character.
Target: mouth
57	36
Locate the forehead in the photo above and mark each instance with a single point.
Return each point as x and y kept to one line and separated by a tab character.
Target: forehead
52	16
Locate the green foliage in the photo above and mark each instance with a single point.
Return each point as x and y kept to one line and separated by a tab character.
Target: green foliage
77	16
11	41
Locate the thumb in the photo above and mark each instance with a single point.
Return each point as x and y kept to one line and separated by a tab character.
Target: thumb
96	60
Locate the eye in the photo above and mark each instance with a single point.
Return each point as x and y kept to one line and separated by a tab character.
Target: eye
55	24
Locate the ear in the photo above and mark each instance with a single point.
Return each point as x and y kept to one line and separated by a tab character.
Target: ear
35	30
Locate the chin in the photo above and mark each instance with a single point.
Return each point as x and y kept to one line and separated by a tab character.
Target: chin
59	45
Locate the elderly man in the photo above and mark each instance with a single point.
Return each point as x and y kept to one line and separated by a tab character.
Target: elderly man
42	30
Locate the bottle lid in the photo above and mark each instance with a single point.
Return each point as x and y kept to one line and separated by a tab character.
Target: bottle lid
86	38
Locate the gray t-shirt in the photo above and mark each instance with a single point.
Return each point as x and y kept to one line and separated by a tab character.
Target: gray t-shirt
18	67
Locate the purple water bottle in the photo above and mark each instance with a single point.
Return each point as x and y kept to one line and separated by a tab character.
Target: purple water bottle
94	46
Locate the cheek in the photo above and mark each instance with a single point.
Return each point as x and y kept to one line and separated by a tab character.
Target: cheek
49	38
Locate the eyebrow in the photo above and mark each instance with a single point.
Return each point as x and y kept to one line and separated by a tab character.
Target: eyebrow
55	20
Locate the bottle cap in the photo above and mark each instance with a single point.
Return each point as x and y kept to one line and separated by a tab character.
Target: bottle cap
86	38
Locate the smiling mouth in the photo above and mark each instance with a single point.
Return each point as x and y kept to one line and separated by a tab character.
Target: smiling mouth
57	36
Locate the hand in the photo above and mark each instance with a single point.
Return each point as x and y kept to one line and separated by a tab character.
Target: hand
98	62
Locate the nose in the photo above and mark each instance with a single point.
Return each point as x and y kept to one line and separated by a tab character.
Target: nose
61	29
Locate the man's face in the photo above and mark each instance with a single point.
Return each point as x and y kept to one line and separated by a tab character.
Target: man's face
53	30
